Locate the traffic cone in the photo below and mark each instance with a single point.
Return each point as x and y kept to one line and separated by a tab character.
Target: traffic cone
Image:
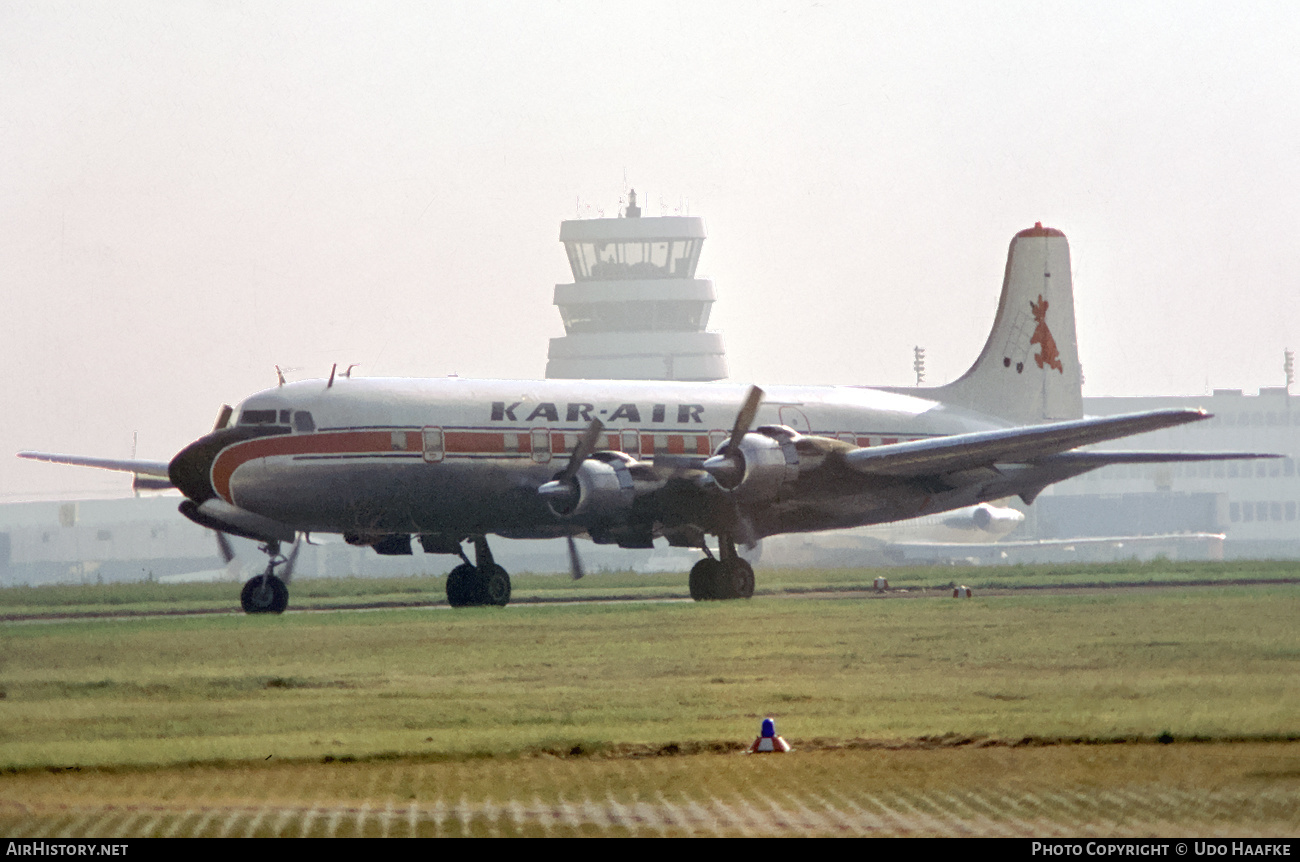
768	741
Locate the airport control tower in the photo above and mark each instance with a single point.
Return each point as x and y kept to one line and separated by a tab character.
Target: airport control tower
635	311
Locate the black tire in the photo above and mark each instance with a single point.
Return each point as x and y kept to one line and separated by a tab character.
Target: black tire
264	594
494	587
704	579
739	580
462	586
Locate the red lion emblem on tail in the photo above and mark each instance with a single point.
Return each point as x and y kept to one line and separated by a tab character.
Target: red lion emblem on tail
1043	336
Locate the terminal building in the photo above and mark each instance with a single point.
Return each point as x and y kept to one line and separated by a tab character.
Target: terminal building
635	310
1255	504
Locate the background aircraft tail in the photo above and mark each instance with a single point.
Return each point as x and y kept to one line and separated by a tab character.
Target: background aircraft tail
1029	369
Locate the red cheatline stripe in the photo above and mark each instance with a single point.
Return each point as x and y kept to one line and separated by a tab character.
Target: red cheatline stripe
455	442
474	441
345	442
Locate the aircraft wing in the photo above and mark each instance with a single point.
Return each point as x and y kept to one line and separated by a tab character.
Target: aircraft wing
143	468
1094	458
150	475
1032	443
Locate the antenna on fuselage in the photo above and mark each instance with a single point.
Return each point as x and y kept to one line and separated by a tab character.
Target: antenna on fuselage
332	370
279	375
348	373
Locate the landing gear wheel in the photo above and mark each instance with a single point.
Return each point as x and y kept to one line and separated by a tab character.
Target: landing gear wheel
264	594
462	583
704	579
739	580
484	583
494	587
716	579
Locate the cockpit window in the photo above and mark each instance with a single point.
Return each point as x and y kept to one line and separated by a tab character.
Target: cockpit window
258	417
302	422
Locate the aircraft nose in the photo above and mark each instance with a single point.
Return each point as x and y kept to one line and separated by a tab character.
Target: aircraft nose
191	469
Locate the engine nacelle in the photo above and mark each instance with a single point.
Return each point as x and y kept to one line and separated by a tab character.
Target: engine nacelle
767	462
601	491
987	518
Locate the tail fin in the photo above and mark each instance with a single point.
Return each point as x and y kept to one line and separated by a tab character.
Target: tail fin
1029	370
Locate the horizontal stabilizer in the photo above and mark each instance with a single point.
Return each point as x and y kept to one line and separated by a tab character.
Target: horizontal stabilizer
140	468
1104	459
1032	443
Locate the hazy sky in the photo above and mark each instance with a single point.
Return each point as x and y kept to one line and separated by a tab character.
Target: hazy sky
192	193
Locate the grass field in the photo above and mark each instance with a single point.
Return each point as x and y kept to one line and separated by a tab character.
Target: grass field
395	697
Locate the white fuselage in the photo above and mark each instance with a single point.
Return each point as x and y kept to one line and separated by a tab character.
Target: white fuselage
467	456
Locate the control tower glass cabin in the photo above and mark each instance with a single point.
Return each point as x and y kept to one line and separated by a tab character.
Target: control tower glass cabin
635	311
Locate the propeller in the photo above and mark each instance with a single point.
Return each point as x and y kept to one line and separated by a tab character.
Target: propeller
286	574
286	569
582	451
728	466
575	562
729	463
562	488
223	545
744	419
234	570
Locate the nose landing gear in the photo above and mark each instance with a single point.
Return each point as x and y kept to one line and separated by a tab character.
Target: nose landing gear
266	593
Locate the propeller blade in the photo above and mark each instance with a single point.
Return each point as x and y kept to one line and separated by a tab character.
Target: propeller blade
745	418
728	466
575	562
581	452
745	533
287	574
562	490
223	545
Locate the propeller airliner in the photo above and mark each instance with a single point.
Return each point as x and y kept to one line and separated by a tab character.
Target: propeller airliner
450	461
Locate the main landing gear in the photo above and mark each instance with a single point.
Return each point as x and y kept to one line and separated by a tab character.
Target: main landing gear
485	583
266	593
727	578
